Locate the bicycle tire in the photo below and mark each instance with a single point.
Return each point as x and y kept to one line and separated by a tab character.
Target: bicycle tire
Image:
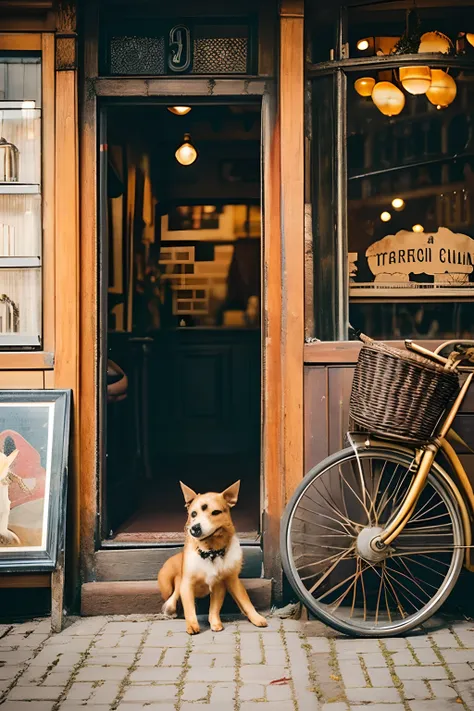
437	480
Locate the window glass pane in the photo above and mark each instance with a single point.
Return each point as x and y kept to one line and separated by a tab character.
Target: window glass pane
324	207
20	200
410	207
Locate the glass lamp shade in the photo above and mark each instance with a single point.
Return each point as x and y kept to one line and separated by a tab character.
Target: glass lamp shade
443	89
415	80
179	110
388	98
364	86
186	154
434	42
470	38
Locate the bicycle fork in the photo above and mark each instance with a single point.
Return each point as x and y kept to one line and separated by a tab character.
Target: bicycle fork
395	527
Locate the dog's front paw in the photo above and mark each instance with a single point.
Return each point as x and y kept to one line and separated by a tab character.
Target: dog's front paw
217	626
258	621
192	628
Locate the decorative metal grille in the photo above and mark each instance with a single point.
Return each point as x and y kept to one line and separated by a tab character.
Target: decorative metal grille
137	55
220	55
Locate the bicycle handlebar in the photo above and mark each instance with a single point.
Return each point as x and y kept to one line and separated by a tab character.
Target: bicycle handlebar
435	355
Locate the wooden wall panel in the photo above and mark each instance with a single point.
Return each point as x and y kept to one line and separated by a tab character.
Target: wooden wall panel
21	380
316	425
340	383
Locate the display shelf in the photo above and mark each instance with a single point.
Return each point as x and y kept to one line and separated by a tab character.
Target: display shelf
19	262
20	306
19	189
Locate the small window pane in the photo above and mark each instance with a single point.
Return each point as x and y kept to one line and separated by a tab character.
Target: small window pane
20	200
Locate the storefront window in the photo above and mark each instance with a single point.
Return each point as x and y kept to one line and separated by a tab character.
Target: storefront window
393	184
20	200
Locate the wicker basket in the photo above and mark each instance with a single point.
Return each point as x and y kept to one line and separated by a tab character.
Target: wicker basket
399	394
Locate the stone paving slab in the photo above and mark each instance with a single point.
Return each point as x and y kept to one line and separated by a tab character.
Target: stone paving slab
145	664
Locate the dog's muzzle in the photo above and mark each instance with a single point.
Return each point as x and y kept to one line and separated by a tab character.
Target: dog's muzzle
196	530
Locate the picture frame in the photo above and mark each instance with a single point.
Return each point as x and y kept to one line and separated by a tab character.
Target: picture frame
222	226
34	446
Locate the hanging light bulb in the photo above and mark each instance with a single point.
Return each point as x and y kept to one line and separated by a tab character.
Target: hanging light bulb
415	80
443	89
186	153
418	228
470	38
398	203
432	42
364	86
385	216
388	98
179	110
362	45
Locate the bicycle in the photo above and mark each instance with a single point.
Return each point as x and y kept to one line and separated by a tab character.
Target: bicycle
375	536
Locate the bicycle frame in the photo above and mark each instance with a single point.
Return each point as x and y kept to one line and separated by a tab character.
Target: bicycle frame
426	456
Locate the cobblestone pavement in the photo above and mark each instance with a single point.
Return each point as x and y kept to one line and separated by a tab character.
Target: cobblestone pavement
142	663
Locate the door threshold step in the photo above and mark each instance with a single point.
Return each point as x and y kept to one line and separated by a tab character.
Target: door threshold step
142	597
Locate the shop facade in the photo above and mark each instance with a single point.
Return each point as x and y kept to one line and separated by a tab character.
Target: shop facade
280	86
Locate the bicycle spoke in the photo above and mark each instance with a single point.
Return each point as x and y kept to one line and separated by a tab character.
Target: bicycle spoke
339	584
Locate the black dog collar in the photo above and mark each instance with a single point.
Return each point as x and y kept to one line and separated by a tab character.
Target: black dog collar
212	554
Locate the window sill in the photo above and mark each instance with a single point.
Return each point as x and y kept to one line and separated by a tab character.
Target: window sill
26	360
346	352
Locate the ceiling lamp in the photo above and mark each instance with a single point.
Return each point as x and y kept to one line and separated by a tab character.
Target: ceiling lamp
398	203
433	42
186	153
443	89
364	86
362	45
470	38
388	98
415	80
418	228
385	216
179	110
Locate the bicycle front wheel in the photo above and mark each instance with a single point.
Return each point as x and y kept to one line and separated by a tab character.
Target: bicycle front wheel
336	509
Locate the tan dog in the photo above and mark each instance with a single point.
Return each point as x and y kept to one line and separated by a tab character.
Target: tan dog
210	562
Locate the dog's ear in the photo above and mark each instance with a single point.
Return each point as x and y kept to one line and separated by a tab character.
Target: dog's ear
232	493
189	494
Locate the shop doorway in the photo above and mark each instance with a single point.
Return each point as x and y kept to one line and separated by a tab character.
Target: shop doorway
181	341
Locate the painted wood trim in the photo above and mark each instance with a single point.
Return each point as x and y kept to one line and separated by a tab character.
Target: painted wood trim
271	337
198	86
66	374
347	352
292	237
88	396
21	380
48	180
29	580
25	360
20	42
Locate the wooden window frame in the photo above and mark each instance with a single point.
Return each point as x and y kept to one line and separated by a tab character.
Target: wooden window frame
44	42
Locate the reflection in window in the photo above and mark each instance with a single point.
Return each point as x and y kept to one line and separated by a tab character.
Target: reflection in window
410	213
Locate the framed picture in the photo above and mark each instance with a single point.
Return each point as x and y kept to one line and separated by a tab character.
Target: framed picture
34	443
198	222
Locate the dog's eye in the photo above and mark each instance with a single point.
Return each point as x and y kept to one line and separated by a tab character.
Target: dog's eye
194	514
204	507
216	513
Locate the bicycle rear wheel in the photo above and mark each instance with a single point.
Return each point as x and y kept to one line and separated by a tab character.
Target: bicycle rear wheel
334	512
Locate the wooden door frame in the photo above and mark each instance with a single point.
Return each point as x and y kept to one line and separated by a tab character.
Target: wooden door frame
283	258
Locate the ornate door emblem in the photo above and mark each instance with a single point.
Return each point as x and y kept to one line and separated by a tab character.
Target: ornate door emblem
179	57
